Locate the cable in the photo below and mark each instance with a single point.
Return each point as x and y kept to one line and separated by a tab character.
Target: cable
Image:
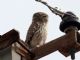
54	10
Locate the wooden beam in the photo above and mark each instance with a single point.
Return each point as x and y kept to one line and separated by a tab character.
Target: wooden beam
63	41
23	50
8	39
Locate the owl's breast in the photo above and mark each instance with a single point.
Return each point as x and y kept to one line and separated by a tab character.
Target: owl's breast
39	37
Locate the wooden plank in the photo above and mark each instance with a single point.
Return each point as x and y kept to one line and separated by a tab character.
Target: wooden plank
73	43
22	50
8	39
54	45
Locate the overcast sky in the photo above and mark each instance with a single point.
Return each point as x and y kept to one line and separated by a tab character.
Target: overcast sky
17	14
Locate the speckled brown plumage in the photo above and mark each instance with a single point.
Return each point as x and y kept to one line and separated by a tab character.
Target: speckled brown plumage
37	32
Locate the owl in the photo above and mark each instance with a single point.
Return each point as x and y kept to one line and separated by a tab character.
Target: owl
37	32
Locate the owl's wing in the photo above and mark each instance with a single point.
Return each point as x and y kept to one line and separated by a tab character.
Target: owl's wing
31	32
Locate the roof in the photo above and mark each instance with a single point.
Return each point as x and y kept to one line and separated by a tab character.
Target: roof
8	39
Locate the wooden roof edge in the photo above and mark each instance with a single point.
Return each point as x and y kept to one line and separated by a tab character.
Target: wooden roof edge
22	43
23	49
9	38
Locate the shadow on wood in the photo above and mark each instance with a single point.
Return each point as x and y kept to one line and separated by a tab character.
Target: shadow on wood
8	39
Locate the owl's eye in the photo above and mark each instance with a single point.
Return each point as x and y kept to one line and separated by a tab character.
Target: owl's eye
44	16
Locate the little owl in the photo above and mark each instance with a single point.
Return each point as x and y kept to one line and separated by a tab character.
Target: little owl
37	32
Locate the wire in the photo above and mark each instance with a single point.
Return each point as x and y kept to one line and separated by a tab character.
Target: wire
54	10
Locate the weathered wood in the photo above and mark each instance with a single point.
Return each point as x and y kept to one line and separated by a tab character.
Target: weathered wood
22	50
8	39
75	44
15	47
67	40
12	48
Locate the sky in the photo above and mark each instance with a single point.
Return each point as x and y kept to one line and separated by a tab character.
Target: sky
17	14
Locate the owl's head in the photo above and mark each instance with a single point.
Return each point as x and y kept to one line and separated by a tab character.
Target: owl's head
40	17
